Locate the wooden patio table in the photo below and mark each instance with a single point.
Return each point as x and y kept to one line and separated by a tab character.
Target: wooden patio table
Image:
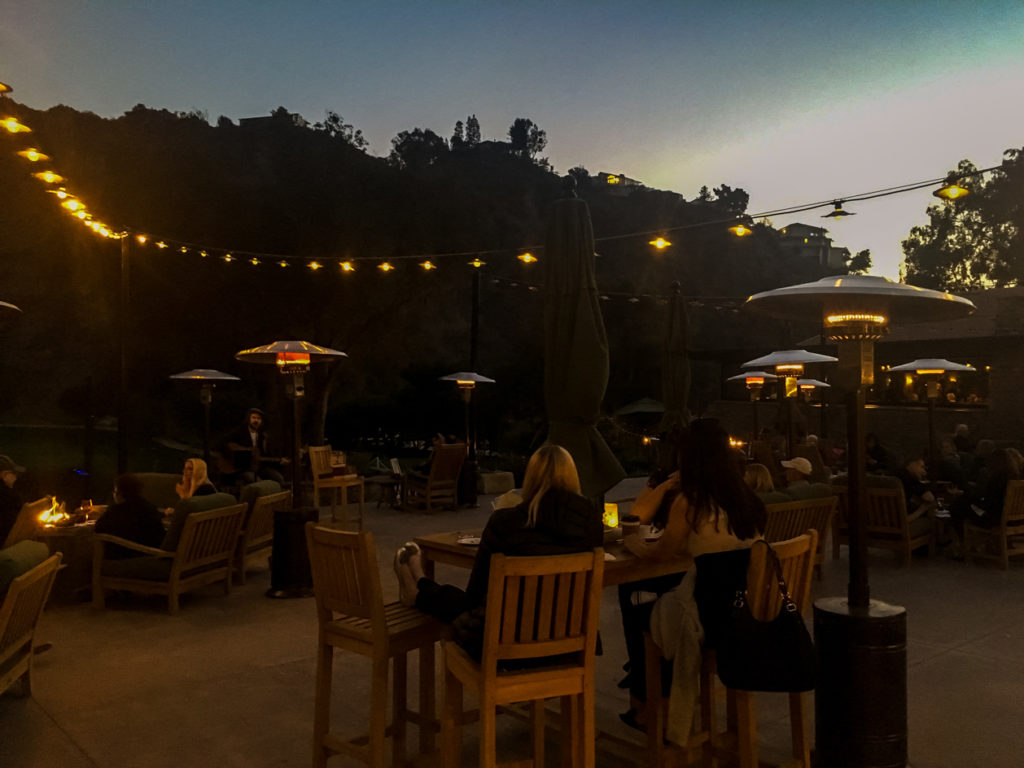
626	567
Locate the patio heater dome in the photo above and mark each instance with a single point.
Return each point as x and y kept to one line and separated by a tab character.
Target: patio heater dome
283	353
204	374
933	365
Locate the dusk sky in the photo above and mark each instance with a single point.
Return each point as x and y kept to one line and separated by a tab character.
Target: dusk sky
795	102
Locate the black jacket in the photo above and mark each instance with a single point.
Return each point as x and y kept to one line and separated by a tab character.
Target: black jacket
134	519
566	523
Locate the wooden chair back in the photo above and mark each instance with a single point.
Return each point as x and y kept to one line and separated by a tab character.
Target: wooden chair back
19	614
793	518
320	461
345	576
27	522
447	463
259	527
542	606
209	538
796	556
1013	508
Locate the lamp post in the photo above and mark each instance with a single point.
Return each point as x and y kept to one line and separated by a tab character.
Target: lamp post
860	701
754	380
207	378
932	371
467	381
292	358
789	367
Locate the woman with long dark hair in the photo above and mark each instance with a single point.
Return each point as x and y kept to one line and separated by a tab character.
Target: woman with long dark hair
715	518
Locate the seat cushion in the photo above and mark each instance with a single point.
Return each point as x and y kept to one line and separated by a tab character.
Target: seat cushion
147	568
18	559
253	491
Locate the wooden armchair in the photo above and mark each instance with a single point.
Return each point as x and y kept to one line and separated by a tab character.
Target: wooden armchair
791	519
540	636
325	479
27	522
202	555
1005	539
257	535
889	526
352	615
440	488
19	615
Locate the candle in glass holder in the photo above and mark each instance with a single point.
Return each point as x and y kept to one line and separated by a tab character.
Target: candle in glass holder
611	515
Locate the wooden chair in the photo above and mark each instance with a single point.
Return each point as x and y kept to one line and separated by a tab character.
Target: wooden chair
542	618
797	559
257	535
324	479
888	524
19	615
439	489
203	555
1007	537
27	522
352	615
791	519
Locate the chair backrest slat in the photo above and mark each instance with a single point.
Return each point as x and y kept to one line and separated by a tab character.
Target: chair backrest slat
260	524
24	601
542	606
209	537
1013	507
345	576
796	557
787	520
447	462
320	460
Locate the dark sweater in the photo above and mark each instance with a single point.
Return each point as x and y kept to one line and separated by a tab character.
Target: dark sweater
566	523
136	520
10	506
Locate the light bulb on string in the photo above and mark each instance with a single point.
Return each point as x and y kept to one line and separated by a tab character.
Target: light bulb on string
282	263
740	229
385	266
952	190
13	126
228	258
315	265
50	177
142	239
527	258
161	244
347	266
428	265
254	261
33	155
203	254
183	249
837	212
476	263
660	243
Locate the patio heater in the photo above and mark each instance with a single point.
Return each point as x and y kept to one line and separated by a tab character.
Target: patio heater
807	387
292	358
789	368
466	382
207	378
861	698
754	380
932	370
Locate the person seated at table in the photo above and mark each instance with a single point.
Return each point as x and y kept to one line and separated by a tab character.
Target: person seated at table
130	517
715	518
950	468
876	457
759	478
913	476
983	505
10	501
797	473
553	519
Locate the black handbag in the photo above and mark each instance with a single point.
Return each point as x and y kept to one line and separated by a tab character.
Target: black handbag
776	655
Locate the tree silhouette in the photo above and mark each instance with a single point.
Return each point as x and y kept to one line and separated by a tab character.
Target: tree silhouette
977	241
337	128
526	138
472	131
417	149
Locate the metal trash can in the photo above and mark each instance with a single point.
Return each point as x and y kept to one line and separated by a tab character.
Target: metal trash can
290	574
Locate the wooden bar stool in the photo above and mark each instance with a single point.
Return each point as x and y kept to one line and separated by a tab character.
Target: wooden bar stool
352	615
541	620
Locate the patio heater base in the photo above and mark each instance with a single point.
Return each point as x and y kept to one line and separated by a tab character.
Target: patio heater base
860	704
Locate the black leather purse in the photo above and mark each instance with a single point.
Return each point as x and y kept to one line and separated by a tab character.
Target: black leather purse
776	655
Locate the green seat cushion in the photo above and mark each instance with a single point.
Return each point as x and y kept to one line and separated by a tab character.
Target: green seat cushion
20	558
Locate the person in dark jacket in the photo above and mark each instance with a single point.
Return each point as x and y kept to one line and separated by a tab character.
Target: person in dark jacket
553	519
131	517
10	501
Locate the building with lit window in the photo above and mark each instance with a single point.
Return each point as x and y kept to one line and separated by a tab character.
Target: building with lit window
813	244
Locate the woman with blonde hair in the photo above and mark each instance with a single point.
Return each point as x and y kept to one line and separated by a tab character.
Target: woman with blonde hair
194	480
553	519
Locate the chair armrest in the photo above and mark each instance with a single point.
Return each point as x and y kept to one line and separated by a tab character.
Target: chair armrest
127	544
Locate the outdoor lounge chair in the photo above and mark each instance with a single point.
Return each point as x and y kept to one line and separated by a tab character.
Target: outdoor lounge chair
19	614
256	538
1007	538
440	488
27	522
889	525
198	552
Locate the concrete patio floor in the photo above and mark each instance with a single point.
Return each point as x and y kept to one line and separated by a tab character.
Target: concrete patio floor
229	680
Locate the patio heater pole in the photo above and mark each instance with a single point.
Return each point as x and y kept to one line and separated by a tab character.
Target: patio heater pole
122	340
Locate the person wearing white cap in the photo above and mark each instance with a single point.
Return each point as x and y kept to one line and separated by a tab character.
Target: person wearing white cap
797	474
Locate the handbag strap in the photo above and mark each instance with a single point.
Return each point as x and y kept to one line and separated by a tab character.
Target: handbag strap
787	601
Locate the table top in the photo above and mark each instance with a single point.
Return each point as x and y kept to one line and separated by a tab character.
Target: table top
626	567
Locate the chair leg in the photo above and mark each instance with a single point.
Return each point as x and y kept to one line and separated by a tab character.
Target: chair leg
399	708
655	703
428	702
537	731
378	710
99	595
25	682
586	726
322	702
334	505
451	722
568	707
798	729
172	601
488	729
746	729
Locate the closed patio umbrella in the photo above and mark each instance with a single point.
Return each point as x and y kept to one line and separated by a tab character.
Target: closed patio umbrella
675	365
575	346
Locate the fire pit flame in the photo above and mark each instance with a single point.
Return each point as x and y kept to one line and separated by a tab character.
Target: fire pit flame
55	515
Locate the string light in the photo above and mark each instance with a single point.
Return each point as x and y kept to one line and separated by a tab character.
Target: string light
161	245
348	266
254	261
282	263
476	263
72	204
203	254
428	265
315	265
385	266
228	257
142	240
660	243
13	126
49	177
33	155
527	258
183	249
740	230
